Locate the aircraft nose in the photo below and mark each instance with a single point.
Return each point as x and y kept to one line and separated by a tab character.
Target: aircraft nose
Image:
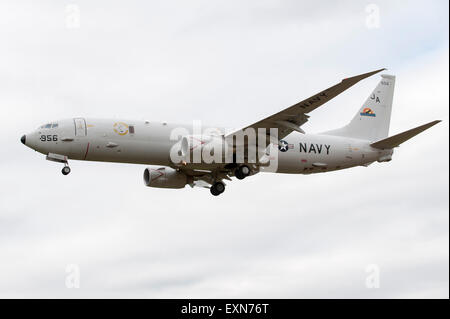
23	139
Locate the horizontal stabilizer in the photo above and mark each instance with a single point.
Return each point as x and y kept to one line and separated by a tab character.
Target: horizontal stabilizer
398	139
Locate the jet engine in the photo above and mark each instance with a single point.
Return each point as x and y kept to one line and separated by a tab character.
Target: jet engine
164	177
204	149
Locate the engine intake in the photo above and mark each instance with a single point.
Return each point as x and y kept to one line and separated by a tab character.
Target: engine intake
164	177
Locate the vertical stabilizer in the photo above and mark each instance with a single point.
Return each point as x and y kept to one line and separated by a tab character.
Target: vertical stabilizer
372	120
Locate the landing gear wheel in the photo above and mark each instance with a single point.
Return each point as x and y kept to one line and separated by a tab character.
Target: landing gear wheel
65	170
242	172
217	188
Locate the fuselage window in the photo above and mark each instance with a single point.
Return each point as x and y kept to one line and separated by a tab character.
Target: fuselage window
48	125
54	125
131	129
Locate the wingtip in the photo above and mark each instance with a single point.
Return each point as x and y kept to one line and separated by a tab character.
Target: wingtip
432	123
374	72
364	75
380	70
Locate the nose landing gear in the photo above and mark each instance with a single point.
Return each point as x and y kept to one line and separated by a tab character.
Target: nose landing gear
65	170
59	159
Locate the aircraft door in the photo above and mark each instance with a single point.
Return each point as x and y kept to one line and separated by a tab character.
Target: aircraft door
80	145
80	127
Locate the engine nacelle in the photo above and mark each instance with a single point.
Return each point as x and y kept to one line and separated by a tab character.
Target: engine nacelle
164	177
204	149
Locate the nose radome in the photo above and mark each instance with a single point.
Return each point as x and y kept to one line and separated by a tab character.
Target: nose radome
23	139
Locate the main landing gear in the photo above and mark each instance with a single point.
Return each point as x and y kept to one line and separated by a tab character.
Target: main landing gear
65	170
217	188
242	172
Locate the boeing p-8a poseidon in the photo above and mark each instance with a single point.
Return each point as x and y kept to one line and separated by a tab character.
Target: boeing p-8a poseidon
190	155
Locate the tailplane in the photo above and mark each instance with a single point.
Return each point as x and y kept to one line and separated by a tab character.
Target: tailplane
372	120
398	139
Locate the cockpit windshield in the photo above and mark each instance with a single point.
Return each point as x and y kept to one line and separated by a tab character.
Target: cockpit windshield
49	125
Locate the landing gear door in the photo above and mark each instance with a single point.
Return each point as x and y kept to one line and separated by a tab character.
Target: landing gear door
80	127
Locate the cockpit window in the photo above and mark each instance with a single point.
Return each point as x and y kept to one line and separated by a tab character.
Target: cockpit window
49	125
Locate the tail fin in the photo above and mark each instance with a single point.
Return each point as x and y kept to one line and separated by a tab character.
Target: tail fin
398	139
373	118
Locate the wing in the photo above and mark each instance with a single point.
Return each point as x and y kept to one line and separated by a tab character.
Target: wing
290	119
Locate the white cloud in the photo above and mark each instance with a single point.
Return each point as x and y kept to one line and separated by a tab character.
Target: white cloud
226	63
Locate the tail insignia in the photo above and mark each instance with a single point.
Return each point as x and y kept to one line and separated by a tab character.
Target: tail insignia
367	112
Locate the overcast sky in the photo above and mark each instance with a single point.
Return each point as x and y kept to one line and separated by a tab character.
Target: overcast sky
227	63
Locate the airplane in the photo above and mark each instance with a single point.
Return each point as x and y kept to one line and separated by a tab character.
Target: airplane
180	154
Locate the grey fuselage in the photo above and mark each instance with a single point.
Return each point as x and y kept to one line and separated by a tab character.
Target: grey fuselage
143	142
